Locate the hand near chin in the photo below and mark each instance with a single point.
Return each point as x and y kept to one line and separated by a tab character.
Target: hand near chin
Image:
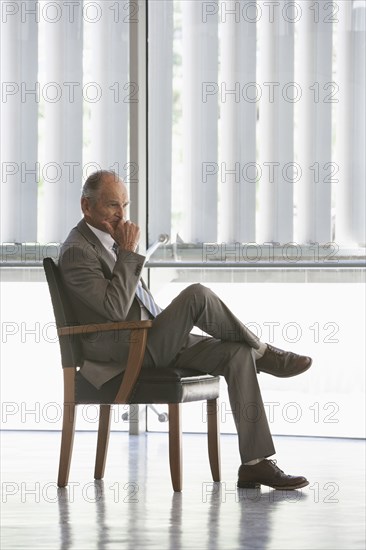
125	233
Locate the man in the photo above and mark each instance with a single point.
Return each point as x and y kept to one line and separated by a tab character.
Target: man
101	270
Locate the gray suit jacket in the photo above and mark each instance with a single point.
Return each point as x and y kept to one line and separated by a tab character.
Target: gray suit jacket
100	291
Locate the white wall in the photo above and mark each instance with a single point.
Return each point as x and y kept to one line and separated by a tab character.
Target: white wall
328	400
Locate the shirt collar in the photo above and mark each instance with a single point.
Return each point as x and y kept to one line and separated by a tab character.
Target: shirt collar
104	237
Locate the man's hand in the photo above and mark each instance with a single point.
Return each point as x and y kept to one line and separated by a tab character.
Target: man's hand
125	233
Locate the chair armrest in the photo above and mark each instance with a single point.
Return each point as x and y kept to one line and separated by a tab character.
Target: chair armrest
136	352
103	327
134	363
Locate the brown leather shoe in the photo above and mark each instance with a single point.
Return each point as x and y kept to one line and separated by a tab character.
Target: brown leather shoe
282	363
268	473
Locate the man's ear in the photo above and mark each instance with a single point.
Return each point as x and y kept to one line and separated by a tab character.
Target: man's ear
85	205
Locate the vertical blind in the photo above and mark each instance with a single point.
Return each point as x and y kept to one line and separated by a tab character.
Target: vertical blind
256	118
64	108
267	138
19	136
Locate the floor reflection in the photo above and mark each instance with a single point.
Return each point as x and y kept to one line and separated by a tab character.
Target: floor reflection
135	508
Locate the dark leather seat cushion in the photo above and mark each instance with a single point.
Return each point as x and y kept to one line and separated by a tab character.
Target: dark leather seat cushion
155	385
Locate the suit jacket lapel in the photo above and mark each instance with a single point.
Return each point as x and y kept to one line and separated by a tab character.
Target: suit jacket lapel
88	234
144	286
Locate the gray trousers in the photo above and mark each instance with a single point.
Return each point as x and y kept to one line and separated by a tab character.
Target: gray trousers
227	352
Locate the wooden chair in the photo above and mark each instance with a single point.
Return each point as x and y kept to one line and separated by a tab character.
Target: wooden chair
159	385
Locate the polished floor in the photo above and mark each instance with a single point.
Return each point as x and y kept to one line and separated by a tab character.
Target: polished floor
135	507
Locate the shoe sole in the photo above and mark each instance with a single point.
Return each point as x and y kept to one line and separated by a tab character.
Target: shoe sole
256	485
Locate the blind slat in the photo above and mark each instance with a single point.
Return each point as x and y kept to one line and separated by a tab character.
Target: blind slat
107	72
344	120
275	144
314	143
238	119
359	119
200	115
160	115
61	156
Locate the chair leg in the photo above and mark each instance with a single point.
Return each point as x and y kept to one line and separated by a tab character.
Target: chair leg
175	445
213	435
67	440
103	440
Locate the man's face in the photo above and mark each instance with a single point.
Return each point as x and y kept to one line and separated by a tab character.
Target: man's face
110	205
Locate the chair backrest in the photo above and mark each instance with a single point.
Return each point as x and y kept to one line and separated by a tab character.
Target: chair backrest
64	314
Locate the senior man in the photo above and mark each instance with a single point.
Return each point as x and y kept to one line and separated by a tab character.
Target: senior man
102	274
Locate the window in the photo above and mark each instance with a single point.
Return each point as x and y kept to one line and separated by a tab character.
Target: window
257	171
257	122
65	109
256	140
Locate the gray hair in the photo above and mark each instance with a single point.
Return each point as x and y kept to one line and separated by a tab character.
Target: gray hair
92	185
